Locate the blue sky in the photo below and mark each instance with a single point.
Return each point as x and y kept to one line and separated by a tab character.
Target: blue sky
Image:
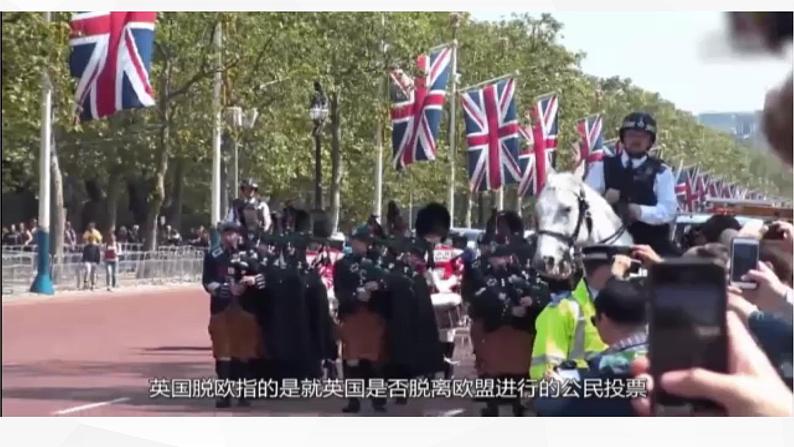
665	53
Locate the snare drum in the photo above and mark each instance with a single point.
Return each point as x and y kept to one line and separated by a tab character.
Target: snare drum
449	313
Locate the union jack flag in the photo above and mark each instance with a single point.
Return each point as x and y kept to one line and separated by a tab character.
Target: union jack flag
591	139
729	191
701	188
613	148
492	135
684	189
536	162
714	187
111	56
724	190
417	107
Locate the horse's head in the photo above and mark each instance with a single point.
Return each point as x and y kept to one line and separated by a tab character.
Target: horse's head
569	214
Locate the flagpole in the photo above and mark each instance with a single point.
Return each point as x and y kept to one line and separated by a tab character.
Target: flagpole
215	211
378	203
410	200
43	282
452	103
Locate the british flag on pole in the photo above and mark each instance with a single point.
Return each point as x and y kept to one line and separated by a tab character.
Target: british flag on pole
111	56
591	139
417	106
714	187
492	133
698	187
536	162
684	190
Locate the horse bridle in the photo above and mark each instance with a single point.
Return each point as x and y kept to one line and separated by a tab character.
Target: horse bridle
584	217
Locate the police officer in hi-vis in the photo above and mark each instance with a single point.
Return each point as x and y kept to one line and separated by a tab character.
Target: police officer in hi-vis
233	328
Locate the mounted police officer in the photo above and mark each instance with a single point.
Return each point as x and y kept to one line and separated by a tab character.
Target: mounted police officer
233	282
639	186
249	211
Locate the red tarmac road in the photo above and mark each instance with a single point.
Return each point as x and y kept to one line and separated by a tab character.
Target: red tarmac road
94	353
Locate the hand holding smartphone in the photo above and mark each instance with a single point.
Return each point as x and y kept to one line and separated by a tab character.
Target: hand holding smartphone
744	257
687	326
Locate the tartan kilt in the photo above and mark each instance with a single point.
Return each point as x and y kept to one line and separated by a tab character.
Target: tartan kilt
362	335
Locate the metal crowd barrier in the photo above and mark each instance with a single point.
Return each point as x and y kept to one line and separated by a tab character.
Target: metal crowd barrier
165	265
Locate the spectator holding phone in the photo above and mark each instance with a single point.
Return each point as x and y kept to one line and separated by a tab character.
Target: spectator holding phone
773	333
751	387
771	294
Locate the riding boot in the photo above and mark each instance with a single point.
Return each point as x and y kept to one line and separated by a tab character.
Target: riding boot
223	368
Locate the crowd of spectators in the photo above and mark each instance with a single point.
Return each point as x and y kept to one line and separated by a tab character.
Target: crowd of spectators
23	236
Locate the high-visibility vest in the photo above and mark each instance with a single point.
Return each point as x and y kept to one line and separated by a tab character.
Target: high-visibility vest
565	332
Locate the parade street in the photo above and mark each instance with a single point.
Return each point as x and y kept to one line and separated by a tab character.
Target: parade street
95	354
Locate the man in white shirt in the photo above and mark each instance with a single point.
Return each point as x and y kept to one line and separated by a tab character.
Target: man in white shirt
640	187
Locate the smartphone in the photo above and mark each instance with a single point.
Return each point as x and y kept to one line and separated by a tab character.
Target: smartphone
687	327
744	257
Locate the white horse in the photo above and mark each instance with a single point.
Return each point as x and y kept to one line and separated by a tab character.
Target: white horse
570	215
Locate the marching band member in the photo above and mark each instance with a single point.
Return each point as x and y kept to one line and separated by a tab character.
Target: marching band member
362	324
233	329
432	226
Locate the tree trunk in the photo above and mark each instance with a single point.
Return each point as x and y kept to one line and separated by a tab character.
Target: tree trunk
336	160
58	222
177	194
157	196
114	191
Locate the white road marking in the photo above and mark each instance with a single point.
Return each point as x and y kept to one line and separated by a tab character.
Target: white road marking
90	406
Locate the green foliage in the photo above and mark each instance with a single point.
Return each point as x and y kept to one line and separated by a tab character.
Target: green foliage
270	62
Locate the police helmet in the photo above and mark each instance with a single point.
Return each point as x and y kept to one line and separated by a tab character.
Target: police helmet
249	183
639	121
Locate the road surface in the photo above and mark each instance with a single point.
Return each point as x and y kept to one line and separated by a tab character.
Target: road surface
94	353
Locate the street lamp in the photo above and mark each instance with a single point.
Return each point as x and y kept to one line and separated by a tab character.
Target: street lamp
240	119
318	112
